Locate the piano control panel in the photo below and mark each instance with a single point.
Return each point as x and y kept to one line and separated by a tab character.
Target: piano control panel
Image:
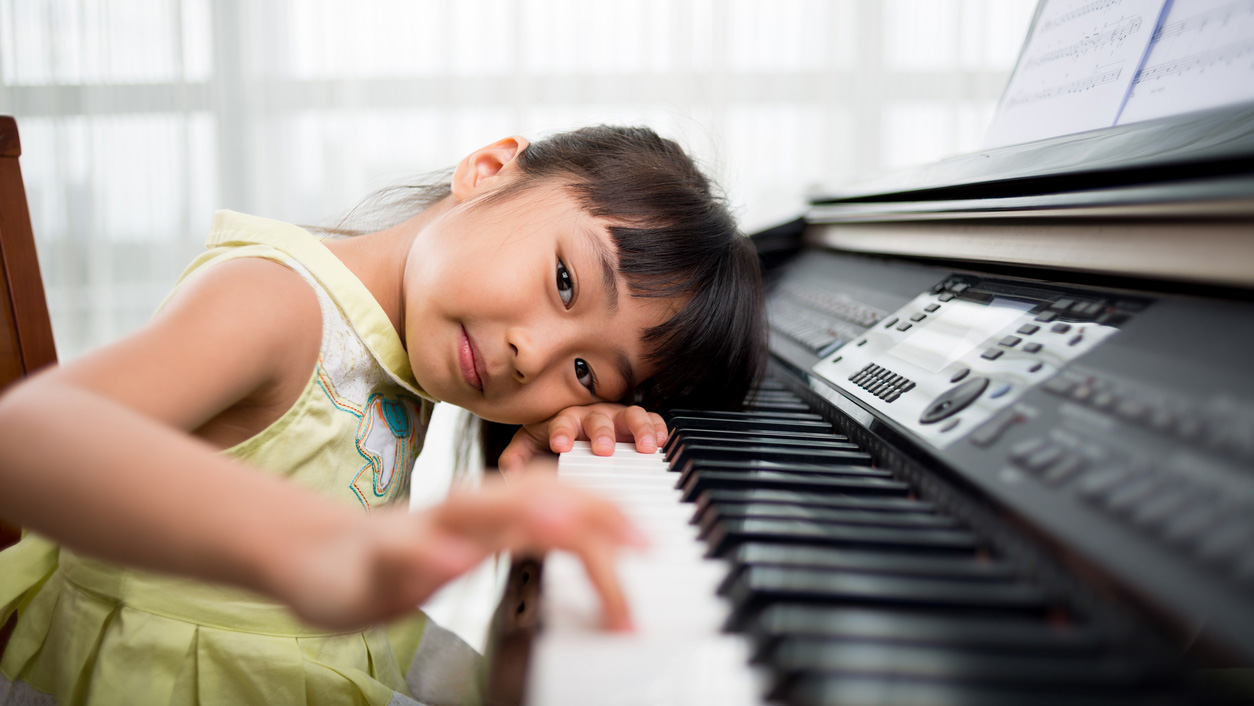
1117	424
955	356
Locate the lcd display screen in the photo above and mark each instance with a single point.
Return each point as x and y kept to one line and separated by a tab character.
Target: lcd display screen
955	330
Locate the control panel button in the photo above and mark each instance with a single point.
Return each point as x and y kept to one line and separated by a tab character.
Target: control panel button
991	354
993	430
1065	469
1044	458
1060	328
959	374
954	400
1010	341
1028	329
1060	385
1032	347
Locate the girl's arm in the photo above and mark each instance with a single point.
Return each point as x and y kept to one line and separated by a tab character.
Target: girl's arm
97	455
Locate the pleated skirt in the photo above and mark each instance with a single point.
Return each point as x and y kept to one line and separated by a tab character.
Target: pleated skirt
93	633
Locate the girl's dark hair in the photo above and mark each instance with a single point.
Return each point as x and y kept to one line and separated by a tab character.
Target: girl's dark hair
675	238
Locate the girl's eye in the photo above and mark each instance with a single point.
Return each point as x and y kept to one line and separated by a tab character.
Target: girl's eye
565	285
583	372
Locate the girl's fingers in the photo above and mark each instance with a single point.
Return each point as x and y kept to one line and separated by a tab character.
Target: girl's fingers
598	563
659	428
599	427
536	513
642	429
520	451
540	513
563	431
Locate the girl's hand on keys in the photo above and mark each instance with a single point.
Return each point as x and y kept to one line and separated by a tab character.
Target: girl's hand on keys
382	565
603	424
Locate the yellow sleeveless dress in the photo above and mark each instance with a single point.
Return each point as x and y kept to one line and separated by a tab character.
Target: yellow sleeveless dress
91	632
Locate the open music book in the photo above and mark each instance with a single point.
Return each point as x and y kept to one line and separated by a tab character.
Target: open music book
1089	64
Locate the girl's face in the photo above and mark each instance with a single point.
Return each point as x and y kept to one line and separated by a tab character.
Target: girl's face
514	309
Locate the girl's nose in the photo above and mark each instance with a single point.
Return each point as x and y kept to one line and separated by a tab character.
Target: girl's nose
533	351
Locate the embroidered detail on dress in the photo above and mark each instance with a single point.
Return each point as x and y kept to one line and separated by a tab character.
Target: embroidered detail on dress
324	381
387	438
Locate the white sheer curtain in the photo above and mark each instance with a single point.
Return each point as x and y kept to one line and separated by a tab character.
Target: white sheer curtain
139	117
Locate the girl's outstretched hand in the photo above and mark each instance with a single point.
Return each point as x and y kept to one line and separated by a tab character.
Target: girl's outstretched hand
384	564
603	424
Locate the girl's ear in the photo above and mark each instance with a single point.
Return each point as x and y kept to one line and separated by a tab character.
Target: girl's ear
478	172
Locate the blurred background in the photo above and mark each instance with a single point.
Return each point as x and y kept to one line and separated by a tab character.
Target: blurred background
140	117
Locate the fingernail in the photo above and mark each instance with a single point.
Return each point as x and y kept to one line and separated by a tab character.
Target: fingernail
561	443
661	438
605	443
648	444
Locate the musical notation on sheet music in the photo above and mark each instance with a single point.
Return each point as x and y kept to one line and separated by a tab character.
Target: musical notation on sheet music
1076	68
1201	56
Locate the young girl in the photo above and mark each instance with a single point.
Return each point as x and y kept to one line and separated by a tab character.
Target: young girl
225	452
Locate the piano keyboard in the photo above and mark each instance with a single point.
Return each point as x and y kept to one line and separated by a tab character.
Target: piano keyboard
788	568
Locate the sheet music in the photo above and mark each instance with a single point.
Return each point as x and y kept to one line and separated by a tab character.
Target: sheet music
1202	56
1076	69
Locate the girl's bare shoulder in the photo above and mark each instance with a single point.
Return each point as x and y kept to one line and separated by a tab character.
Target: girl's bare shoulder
236	330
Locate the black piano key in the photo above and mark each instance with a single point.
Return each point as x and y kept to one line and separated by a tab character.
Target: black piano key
723	537
918	627
806	416
858	690
698	458
966	567
760	586
757	424
775	480
767	405
771	511
718	498
778	391
698	467
677	436
775	398
828	443
939	664
687	452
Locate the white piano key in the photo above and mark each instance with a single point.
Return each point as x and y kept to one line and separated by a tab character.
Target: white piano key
577	669
677	653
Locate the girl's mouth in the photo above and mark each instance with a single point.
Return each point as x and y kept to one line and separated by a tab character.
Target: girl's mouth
468	361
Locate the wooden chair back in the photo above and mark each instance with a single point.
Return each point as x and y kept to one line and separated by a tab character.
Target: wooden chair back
25	328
